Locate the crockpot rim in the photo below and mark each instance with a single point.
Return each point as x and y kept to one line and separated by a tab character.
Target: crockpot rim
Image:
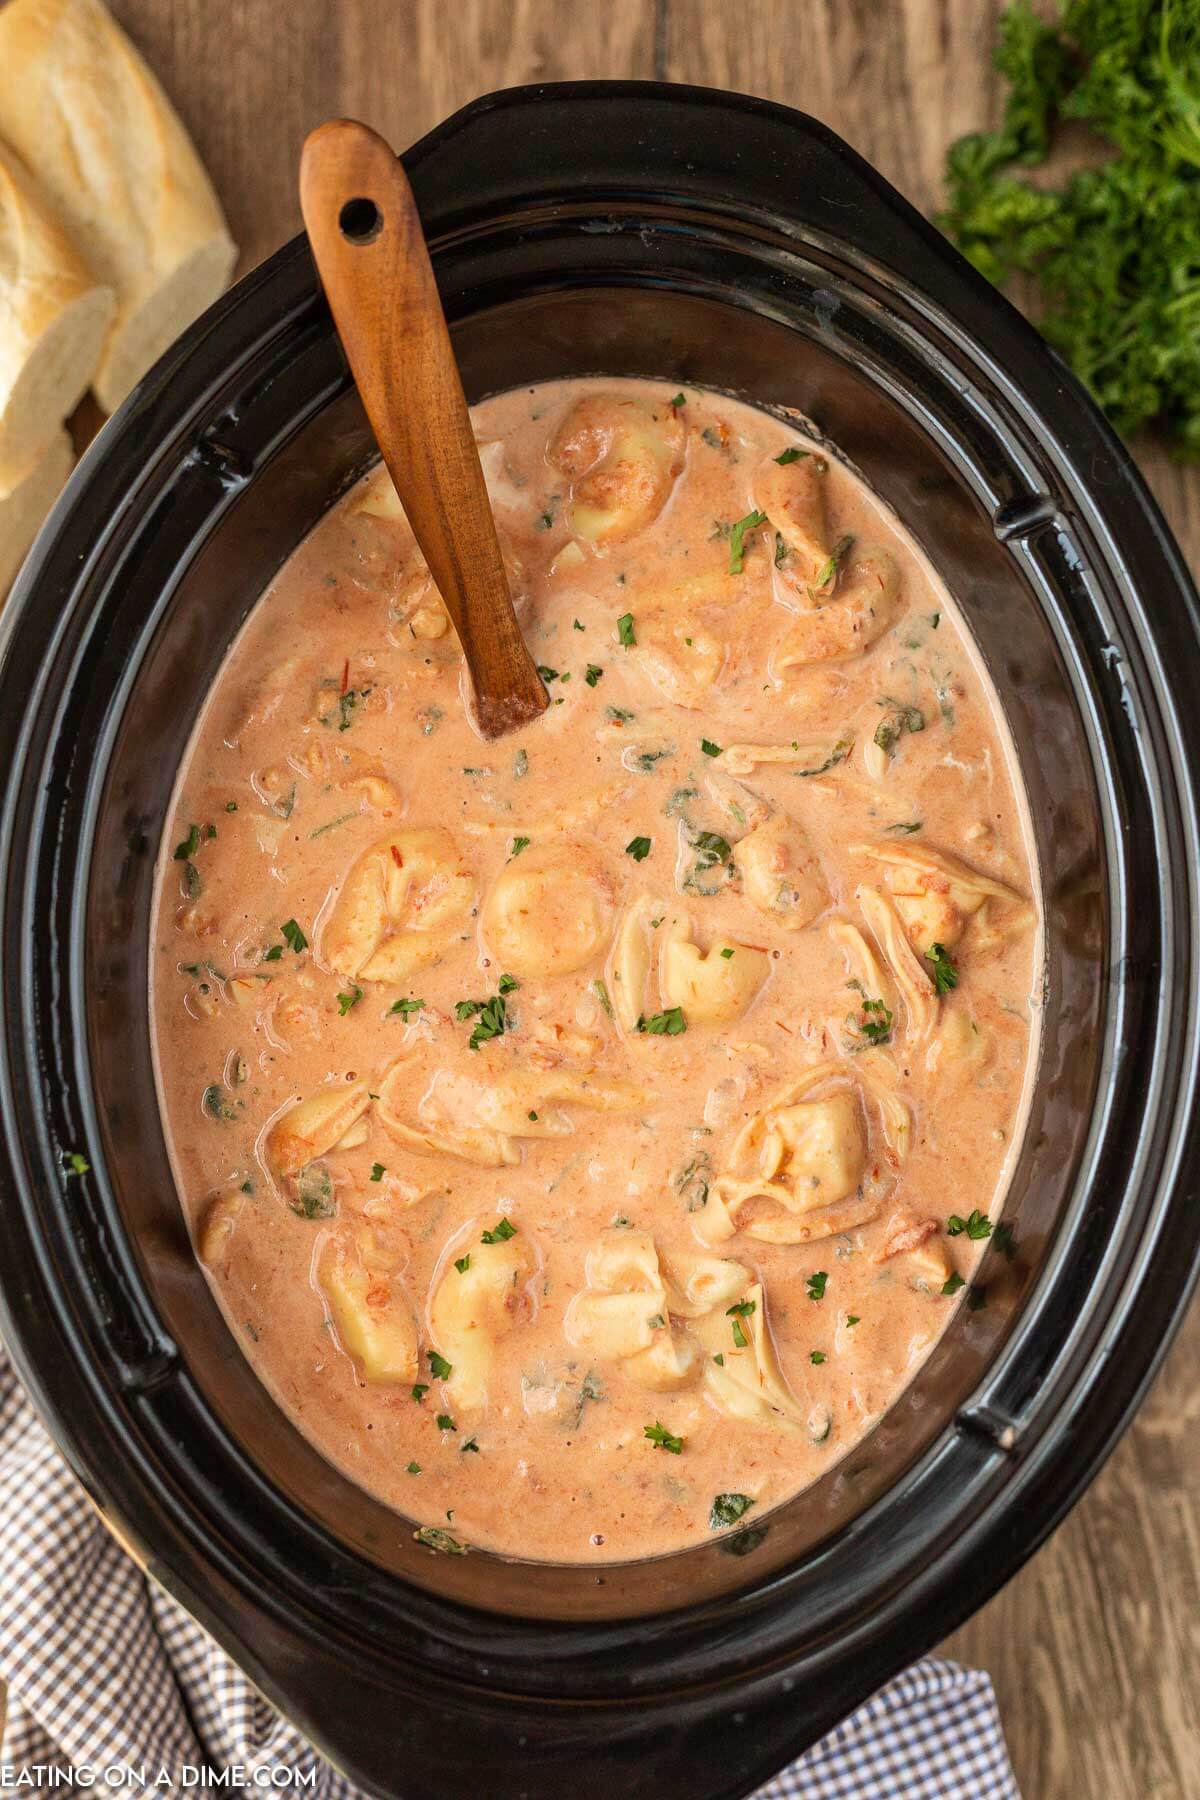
294	258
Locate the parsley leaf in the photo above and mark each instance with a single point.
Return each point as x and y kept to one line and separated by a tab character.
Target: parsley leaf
377	1171
662	1438
1111	249
519	844
438	1364
625	630
709	748
406	1008
346	1001
664	1024
185	851
592	674
638	848
945	975
977	1227
462	1263
814	1287
952	1285
790	455
829	569
737	538
294	936
499	1233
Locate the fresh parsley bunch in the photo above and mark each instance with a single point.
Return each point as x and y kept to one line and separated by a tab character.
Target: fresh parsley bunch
1115	251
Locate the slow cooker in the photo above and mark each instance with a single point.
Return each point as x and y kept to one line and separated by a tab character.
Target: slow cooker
698	238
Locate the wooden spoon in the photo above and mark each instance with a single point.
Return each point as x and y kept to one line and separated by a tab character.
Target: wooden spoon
374	263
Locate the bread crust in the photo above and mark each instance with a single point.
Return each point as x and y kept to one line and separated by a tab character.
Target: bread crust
54	318
82	108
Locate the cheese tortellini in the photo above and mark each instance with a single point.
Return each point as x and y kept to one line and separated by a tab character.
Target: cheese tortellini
680	643
802	1168
482	1118
405	901
314	1126
711	986
781	873
699	1316
622	457
474	1307
550	910
748	1382
623	1314
863	602
368	1309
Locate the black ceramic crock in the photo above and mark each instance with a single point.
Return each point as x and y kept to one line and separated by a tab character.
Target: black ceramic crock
696	238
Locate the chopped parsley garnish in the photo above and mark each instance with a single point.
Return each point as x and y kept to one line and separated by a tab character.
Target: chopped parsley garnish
679	400
781	551
294	936
719	1359
600	989
419	1391
217	1104
977	1227
577	624
727	1509
852	1319
231	806
492	1021
346	1001
875	1025
547	674
438	1364
663	1024
377	1171
463	1263
625	630
727	952
519	844
830	567
471	1444
945	975
816	1356
592	674
663	1439
740	1340
953	1284
709	748
445	1422
814	1287
185	851
742	1310
406	1008
75	1164
273	954
638	848
737	536
414	1468
790	455
499	1233
907	826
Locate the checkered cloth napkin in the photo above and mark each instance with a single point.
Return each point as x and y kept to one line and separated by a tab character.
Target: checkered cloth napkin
104	1670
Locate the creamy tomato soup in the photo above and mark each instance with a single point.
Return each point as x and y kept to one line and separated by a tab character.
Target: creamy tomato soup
587	1134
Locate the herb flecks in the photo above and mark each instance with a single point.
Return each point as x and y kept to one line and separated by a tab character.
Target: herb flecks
670	1023
945	975
737	538
658	1435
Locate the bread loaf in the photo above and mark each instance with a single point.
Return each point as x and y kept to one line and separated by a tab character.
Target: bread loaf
22	511
54	317
81	108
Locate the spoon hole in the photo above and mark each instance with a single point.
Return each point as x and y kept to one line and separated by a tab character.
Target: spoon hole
360	221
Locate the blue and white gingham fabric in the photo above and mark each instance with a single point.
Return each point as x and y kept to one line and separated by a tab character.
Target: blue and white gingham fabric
105	1672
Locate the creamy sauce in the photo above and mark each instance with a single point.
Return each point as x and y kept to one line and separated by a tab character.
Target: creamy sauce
588	1134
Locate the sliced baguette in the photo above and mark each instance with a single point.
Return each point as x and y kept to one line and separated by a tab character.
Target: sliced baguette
21	514
54	318
80	106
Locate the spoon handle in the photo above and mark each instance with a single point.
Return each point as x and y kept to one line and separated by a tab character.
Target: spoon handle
372	258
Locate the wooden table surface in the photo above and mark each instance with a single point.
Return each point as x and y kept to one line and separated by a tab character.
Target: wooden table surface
1094	1648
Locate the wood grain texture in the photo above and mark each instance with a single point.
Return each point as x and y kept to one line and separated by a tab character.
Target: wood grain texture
382	291
1095	1647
